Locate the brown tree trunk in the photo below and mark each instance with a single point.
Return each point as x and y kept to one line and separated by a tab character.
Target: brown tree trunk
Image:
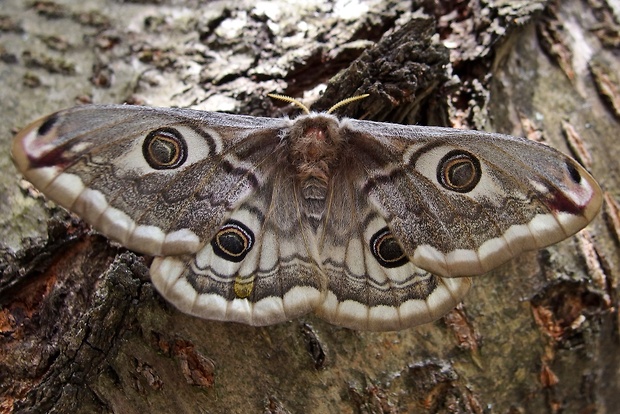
82	329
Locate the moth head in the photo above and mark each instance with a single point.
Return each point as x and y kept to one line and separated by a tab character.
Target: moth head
315	143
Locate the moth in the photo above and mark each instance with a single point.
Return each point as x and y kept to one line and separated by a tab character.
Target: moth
372	226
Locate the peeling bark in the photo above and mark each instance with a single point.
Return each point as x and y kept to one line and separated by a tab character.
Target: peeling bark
81	328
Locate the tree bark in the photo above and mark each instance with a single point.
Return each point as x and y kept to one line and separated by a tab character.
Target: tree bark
82	329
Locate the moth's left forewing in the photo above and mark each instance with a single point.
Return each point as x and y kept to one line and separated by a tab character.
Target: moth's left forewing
160	181
463	202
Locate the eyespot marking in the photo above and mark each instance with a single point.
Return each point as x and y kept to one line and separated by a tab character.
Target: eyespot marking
165	149
459	171
386	249
233	241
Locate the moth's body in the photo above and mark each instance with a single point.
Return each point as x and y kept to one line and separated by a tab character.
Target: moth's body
312	149
260	220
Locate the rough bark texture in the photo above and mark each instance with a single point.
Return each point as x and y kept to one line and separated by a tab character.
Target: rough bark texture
81	328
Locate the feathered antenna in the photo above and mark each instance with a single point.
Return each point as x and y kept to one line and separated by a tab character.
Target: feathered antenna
305	108
289	100
346	102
